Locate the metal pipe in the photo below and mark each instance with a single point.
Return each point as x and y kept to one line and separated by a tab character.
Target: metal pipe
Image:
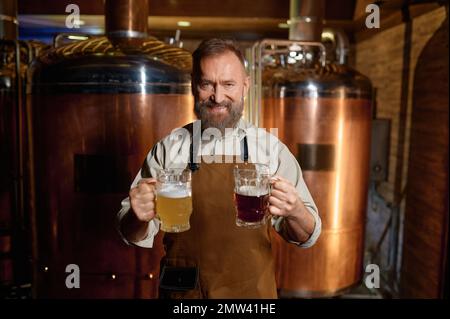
306	20
126	18
31	190
8	20
341	44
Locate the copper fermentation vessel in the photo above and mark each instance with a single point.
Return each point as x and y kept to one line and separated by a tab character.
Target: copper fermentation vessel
14	252
323	114
96	108
8	104
329	133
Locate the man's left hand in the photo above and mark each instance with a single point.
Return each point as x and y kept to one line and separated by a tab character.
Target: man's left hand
284	201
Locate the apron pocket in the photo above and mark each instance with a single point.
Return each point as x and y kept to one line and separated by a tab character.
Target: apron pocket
178	278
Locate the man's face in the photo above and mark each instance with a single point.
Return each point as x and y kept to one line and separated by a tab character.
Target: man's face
219	93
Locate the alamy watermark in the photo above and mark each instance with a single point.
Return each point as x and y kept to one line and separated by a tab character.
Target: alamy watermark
373	18
73	279
372	280
263	145
73	19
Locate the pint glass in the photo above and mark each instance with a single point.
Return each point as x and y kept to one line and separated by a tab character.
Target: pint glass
174	199
251	195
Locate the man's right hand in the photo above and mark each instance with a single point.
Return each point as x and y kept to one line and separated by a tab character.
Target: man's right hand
142	199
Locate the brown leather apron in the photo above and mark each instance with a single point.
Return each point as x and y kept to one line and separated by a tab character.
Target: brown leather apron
233	262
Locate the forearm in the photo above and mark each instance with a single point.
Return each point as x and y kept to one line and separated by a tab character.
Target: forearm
300	226
132	228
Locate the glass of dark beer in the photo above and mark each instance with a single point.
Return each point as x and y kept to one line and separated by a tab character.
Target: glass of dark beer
251	195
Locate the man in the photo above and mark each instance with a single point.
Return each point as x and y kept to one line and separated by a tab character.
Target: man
232	262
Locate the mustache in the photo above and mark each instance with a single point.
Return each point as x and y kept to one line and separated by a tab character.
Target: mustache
212	104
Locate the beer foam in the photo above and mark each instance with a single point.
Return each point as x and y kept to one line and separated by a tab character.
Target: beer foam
174	191
252	191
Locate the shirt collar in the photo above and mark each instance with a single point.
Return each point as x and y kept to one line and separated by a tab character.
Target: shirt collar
241	128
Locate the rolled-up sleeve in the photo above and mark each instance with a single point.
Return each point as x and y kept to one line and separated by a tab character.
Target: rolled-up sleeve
289	168
147	170
172	151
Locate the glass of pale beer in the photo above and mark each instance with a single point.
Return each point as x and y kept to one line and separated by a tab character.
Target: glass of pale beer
251	195
174	199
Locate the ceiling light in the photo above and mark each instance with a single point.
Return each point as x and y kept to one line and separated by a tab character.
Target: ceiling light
79	22
183	23
77	37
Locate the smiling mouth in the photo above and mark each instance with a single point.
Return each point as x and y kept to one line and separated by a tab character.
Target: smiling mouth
218	109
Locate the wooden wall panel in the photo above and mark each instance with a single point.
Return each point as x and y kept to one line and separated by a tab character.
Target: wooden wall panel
426	216
386	58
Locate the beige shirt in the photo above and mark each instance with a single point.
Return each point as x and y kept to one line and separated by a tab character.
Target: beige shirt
173	151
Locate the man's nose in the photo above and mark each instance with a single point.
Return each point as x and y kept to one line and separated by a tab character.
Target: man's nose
218	94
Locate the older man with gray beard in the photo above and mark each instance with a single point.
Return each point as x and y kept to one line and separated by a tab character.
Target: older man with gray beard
226	261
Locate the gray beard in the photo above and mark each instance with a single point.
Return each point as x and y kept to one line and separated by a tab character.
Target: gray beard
220	122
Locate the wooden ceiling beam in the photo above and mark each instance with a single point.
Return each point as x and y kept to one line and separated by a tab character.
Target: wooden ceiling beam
171	23
334	9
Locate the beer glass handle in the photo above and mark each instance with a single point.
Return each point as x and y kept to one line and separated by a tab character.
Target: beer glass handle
272	181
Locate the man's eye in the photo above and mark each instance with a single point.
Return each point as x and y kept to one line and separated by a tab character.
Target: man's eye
205	86
229	85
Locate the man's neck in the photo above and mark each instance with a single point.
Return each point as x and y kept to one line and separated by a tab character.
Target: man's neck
227	131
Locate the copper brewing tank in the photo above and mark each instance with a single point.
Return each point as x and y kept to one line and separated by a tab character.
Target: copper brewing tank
8	103
323	114
8	96
96	108
14	252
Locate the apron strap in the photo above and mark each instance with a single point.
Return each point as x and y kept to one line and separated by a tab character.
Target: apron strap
195	133
245	149
195	166
192	166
